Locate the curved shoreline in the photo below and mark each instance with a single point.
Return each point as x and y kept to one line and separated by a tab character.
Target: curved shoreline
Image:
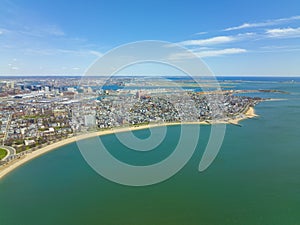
10	166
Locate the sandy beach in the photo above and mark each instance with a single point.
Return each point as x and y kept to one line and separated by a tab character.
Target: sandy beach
7	168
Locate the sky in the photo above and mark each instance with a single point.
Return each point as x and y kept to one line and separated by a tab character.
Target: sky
233	37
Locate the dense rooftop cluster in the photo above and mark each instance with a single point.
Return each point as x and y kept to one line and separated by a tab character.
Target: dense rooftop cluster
36	113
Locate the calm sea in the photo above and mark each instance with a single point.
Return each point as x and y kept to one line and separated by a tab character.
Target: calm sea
255	178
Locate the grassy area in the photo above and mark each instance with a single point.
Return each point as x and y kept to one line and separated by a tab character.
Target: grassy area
139	124
3	153
35	117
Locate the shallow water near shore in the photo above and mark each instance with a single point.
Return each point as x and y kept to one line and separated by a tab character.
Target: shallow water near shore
255	178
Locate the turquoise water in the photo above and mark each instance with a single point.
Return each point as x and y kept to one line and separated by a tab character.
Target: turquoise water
255	179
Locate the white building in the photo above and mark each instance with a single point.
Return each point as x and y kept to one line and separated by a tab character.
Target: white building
29	142
90	120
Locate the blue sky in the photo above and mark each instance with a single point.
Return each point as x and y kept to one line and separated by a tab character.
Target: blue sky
233	37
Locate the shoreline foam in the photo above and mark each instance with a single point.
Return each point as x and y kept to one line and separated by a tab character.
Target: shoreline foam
10	166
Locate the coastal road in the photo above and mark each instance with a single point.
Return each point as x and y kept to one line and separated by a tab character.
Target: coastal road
11	151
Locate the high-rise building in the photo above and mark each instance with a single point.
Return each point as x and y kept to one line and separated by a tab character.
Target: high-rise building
138	95
10	84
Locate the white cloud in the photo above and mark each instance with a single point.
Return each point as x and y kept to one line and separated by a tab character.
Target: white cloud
201	33
218	40
59	51
209	41
96	53
264	24
279	48
208	53
214	53
284	32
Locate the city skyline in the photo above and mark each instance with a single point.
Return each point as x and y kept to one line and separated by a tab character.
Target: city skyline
232	38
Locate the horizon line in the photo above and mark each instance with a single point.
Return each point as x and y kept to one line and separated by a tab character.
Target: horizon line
56	75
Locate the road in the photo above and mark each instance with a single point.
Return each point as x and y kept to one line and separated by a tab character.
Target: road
11	151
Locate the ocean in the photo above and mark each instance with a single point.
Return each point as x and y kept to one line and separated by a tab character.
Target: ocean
255	178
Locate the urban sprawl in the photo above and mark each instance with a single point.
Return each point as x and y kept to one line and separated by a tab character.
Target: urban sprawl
37	112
